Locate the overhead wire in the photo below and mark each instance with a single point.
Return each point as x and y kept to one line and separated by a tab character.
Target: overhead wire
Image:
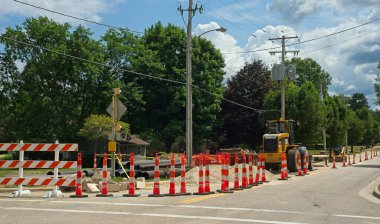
31	45
305	41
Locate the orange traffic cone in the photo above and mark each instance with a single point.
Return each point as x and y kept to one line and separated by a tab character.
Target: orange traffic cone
283	172
236	175
183	176
78	191
156	184
104	189
132	187
299	168
201	187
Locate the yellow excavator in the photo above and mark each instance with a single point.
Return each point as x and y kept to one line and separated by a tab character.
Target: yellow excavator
279	138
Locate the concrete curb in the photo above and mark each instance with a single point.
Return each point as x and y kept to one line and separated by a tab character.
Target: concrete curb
376	192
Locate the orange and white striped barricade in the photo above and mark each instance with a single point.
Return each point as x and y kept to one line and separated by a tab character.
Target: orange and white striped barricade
78	190
94	165
258	172
156	184
201	186
299	170
183	176
236	175
172	178
132	181
305	170
263	177
283	172
344	160
251	181
207	175
21	164
104	186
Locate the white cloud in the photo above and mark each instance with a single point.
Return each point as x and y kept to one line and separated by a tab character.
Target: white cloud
225	43
89	10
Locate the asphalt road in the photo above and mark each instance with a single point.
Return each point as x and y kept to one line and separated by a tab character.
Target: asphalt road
325	196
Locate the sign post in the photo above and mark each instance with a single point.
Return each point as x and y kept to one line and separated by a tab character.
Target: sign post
116	109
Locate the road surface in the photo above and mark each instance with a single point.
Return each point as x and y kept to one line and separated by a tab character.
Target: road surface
324	196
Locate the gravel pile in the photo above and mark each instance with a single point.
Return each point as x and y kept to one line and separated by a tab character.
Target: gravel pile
215	175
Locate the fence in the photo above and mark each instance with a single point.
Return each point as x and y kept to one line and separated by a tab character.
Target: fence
36	181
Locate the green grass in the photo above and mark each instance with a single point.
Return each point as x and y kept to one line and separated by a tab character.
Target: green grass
6	157
7	172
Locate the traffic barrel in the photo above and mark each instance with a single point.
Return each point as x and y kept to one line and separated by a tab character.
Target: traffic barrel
334	162
132	181
78	190
236	174
258	171
251	180
305	171
201	187
344	160
283	172
104	188
183	176
349	159
244	176
225	183
207	175
156	184
94	167
263	177
299	168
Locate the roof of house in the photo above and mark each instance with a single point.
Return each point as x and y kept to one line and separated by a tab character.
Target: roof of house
133	140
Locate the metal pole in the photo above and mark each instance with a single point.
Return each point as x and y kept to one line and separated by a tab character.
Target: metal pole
283	81
114	117
20	169
56	158
189	98
323	130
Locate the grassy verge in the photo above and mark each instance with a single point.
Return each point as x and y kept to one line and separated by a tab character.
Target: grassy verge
7	172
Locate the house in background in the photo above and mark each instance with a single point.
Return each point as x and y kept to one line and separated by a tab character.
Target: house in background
132	144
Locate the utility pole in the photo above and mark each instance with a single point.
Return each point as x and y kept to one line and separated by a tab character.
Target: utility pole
324	129
282	82
189	81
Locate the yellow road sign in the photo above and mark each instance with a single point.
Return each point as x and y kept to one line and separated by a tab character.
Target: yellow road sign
111	146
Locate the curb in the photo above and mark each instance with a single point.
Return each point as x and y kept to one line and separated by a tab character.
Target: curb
376	192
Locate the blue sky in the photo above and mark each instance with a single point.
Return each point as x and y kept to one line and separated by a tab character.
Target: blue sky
351	60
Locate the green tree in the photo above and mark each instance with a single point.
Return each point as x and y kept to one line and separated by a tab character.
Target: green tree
51	94
164	57
357	101
249	87
356	129
377	86
309	70
100	126
337	121
310	115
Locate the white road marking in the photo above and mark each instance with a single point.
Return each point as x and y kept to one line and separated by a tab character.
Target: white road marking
148	214
357	216
216	218
192	206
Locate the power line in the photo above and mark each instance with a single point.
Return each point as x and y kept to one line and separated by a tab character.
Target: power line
306	41
77	18
129	71
242	16
241	5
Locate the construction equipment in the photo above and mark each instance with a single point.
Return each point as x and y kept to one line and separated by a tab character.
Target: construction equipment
279	139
